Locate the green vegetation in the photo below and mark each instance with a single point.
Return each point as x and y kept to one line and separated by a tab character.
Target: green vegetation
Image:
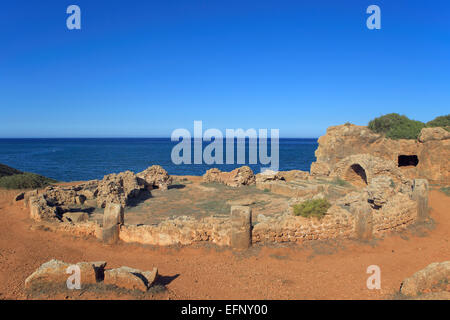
11	178
312	208
7	171
25	180
395	126
446	191
442	121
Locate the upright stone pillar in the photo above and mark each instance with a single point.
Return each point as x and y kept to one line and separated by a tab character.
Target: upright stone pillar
113	217
241	227
420	195
363	221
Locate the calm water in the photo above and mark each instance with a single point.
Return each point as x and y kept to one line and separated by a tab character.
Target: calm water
85	159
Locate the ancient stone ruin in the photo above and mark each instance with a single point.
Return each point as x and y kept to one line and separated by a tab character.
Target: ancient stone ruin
426	158
370	194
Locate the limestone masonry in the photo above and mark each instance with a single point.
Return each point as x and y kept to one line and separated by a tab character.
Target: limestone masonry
375	185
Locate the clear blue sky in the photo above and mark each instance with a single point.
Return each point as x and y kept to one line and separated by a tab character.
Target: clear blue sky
145	68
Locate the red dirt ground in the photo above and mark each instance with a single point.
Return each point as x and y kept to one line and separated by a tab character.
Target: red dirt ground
321	271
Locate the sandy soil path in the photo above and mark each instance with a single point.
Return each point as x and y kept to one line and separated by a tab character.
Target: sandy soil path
336	271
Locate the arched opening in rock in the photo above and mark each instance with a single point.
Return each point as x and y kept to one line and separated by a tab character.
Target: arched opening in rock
408	161
356	175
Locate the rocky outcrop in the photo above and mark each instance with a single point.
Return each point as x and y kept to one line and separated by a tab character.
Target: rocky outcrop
428	157
118	188
431	134
54	202
268	175
380	190
54	275
293	175
41	210
435	275
155	177
238	177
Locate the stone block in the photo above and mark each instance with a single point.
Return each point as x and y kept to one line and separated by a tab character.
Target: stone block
241	227
113	217
363	228
420	195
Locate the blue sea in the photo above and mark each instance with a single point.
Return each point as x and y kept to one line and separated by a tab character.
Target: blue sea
86	159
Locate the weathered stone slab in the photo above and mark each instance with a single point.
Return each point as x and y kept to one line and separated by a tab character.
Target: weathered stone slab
363	220
27	196
113	217
130	279
241	225
54	273
420	195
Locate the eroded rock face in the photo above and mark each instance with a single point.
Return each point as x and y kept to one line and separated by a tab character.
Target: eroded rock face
40	210
238	177
212	175
430	134
361	169
426	278
118	188
268	175
156	177
380	190
294	175
426	158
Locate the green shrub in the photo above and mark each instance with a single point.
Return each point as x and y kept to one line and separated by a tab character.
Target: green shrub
442	121
395	126
312	208
446	190
25	180
7	171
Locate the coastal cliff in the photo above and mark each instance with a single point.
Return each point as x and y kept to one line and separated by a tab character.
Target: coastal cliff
427	157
